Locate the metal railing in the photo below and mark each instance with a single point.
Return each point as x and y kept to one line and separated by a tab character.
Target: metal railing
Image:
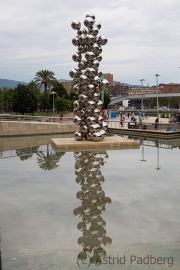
156	127
40	119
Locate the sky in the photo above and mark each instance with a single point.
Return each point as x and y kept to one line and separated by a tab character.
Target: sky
143	38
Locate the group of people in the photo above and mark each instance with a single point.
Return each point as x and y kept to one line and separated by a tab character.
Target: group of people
174	119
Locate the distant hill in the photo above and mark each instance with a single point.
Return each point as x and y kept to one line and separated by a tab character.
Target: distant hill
63	80
9	83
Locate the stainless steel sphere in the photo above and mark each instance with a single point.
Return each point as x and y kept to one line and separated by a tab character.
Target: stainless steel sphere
102	40
83	79
91	104
73	73
75	41
77	120
82	31
76	57
94	128
84	129
78	136
82	64
88	22
99	58
98	25
104	126
103	133
96	113
96	81
76	25
96	97
89	56
91	15
100	120
99	105
105	83
83	98
97	137
76	105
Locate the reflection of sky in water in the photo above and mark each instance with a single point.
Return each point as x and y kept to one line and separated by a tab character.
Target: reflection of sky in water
36	213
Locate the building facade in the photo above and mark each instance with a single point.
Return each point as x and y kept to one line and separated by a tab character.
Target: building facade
109	78
169	88
118	90
67	85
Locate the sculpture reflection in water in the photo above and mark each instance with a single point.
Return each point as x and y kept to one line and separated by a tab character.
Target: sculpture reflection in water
87	108
93	204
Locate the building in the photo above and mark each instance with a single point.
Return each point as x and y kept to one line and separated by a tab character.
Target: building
169	88
109	78
118	90
67	85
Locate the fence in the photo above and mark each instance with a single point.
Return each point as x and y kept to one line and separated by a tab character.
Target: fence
160	127
40	119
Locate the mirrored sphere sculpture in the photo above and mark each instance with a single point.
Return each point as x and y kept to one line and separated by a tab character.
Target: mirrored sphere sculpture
87	75
93	202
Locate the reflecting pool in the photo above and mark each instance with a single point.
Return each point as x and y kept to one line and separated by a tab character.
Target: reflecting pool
115	209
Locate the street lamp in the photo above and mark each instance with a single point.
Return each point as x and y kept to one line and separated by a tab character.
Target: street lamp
142	153
53	93
157	75
2	102
142	93
158	168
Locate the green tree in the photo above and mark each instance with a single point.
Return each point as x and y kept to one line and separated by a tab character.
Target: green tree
107	99
24	154
62	104
24	100
60	90
46	78
6	99
33	87
73	96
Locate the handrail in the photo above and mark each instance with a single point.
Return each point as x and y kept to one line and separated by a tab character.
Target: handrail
40	119
159	127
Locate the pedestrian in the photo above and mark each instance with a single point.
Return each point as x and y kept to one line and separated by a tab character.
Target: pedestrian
156	123
61	117
146	116
121	121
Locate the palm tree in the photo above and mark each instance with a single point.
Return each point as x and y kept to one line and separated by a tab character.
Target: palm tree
49	160
46	78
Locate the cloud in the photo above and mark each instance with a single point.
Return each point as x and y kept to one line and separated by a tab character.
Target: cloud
143	38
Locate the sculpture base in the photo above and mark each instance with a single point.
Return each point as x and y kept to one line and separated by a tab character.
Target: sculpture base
109	143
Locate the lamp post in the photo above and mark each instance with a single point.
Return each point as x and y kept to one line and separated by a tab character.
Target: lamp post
143	153
53	93
142	93
2	102
158	168
157	75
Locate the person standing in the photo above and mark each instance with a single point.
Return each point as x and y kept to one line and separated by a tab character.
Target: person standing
121	121
61	117
156	123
